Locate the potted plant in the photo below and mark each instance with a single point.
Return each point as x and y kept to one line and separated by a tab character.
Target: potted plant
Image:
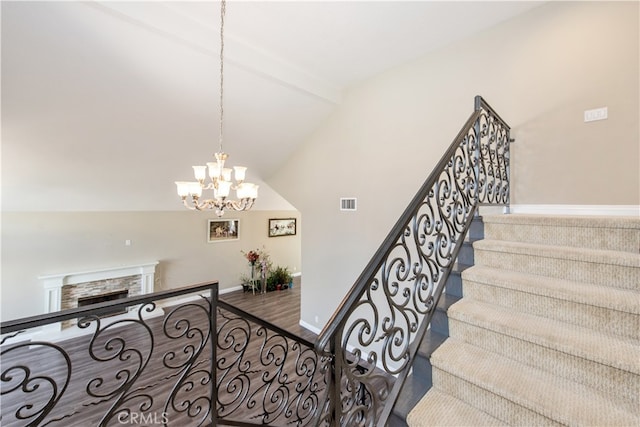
279	278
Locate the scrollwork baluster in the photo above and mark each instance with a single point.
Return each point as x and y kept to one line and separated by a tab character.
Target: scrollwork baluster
282	386
108	346
41	392
189	324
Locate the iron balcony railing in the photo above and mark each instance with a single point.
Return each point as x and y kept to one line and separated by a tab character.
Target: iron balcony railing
156	365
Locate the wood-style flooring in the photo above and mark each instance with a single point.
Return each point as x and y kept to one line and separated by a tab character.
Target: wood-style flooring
282	308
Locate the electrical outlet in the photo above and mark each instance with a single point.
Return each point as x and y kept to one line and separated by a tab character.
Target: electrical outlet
596	114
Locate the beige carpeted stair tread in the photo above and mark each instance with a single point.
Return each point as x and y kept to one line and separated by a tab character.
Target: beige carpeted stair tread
624	300
441	409
581	342
624	222
618	258
548	395
617	234
607	268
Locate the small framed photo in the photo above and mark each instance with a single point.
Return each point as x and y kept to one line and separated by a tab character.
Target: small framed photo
223	230
282	227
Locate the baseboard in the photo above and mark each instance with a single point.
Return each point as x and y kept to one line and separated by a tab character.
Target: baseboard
195	297
310	327
596	210
228	290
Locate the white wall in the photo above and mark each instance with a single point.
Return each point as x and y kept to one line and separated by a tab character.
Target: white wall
36	244
540	71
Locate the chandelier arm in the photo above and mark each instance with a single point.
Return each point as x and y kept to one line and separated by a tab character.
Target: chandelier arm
194	206
219	204
240	205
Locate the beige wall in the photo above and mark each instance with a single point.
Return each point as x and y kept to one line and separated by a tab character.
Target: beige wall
36	244
540	71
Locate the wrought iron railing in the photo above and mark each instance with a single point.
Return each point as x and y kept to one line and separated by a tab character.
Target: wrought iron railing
375	333
155	365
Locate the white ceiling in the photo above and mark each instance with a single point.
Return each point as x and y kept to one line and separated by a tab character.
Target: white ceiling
105	104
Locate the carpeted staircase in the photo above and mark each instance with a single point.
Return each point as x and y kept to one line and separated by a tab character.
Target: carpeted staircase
547	331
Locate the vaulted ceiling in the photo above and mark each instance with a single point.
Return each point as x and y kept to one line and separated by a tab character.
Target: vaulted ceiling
105	104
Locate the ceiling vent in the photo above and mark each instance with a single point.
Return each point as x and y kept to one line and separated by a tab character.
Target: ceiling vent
348	204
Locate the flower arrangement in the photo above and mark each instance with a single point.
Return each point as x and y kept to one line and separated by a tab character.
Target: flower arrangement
263	272
258	257
252	256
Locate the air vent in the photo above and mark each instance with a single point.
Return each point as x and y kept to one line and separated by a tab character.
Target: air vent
348	204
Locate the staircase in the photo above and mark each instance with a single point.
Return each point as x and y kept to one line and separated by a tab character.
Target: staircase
548	331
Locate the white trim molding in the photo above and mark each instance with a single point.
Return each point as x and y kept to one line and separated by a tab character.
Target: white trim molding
53	283
310	327
597	210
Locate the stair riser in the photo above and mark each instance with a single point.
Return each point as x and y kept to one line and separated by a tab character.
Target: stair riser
440	322
499	407
617	239
465	256
476	230
623	386
454	285
423	370
618	323
624	277
414	388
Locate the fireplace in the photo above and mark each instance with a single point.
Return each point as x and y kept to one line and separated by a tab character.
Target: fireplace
108	296
65	291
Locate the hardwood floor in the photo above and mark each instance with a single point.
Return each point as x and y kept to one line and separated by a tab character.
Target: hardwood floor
159	370
282	308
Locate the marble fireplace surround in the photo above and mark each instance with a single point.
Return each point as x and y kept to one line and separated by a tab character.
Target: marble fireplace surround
142	284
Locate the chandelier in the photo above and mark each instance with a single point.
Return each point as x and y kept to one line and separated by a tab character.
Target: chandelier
220	177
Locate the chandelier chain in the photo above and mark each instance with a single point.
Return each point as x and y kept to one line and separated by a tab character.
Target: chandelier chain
223	9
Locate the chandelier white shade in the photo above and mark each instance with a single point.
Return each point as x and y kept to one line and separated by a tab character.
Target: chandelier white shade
221	183
219	176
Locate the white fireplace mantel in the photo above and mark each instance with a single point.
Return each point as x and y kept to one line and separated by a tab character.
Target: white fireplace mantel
53	283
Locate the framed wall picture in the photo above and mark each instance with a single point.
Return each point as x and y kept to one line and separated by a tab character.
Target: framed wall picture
223	230
282	227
